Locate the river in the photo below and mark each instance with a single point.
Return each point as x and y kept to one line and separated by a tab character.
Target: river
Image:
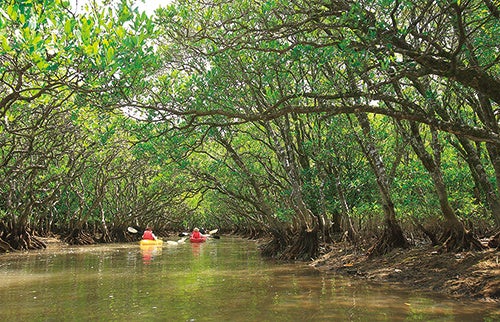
220	280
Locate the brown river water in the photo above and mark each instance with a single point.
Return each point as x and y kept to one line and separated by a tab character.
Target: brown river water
220	280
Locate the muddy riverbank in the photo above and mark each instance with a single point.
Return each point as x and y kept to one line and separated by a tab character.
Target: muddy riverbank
472	275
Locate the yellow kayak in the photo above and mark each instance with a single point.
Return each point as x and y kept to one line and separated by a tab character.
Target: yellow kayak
148	242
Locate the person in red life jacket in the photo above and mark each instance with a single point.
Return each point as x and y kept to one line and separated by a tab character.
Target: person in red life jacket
196	234
148	234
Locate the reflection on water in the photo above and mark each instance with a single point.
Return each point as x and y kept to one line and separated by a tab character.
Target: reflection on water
149	252
220	280
196	248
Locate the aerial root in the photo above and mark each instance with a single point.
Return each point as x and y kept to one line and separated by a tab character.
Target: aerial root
390	239
456	240
79	237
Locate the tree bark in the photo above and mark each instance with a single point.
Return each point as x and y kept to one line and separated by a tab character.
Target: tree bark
392	236
481	177
455	237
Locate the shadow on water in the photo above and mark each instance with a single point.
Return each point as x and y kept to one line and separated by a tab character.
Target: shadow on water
220	280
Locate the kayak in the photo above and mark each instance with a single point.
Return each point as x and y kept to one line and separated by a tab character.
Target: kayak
198	240
149	242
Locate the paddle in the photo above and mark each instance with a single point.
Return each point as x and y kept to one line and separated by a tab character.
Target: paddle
180	241
213	232
210	233
132	230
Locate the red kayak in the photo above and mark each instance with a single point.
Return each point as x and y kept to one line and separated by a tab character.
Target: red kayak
197	240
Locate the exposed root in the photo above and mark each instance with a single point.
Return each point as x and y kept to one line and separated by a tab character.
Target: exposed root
494	241
120	235
5	247
79	237
272	248
105	237
391	239
35	243
432	237
457	239
21	239
305	247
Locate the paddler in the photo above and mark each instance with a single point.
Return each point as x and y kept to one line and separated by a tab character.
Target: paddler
148	234
196	234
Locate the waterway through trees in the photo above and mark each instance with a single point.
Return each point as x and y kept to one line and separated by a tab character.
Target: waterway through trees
220	280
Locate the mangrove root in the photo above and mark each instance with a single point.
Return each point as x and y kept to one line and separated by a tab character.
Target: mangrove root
494	241
79	237
305	247
389	240
456	240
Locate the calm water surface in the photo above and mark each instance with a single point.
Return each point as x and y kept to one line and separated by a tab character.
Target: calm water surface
220	280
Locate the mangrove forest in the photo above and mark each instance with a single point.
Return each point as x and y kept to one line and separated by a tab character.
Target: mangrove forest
301	122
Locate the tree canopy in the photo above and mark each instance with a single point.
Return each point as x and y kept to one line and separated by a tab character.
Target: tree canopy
306	121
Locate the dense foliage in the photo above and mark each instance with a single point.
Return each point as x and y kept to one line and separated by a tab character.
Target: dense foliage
306	121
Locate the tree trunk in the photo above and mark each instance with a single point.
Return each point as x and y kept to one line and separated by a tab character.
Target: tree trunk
481	178
305	223
392	236
455	236
487	116
484	110
342	222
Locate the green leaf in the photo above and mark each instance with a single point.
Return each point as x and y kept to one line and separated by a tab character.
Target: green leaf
42	64
120	32
67	27
95	48
5	43
11	12
110	53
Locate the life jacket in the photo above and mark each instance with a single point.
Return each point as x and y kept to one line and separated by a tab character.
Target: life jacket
148	234
196	234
